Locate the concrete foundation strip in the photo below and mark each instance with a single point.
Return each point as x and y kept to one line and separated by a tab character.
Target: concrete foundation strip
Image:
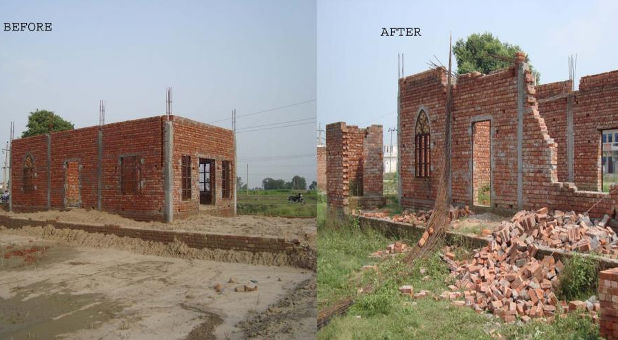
196	240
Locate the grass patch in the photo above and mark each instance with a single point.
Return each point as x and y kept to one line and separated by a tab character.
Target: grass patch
392	204
386	314
275	203
342	251
483	196
578	281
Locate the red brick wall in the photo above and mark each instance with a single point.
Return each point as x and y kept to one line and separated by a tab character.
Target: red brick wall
373	165
337	188
595	107
424	91
75	145
142	138
37	147
481	167
495	96
200	140
321	152
608	298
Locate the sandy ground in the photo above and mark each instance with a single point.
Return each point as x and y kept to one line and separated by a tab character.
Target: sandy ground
303	229
474	223
51	287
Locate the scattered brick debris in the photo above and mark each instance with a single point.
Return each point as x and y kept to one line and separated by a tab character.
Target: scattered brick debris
506	279
418	217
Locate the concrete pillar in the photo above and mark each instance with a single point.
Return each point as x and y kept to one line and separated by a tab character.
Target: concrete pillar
520	132
570	140
48	171
11	176
168	174
100	169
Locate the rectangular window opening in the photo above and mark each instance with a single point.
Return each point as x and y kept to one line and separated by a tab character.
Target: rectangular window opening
609	157
186	177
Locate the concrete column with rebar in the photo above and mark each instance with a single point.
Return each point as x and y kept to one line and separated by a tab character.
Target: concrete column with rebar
168	174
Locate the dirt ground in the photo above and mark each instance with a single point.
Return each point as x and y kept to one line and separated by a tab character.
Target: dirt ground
474	223
302	229
51	287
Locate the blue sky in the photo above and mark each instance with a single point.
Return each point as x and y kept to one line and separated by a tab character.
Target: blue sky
217	56
357	68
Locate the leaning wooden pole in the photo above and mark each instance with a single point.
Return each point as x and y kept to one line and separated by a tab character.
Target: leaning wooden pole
439	220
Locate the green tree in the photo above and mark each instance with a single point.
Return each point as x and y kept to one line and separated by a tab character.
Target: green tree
299	183
485	53
313	185
43	121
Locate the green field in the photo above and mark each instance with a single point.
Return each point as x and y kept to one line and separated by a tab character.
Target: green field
386	314
275	203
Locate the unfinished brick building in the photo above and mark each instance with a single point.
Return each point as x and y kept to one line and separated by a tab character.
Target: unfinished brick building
154	168
354	166
525	146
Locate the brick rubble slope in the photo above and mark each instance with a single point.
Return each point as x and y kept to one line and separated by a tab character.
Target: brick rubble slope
506	279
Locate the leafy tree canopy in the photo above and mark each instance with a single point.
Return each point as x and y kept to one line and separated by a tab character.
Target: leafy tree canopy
485	53
42	121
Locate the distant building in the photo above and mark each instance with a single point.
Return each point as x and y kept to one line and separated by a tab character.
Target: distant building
610	151
390	158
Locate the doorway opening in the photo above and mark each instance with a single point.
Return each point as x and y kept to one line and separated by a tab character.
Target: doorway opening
481	163
207	180
609	158
72	195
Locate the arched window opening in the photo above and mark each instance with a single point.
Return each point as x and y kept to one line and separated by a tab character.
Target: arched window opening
422	154
28	175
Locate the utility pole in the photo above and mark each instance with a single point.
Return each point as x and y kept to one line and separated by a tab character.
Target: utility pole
5	168
235	164
320	130
12	134
247	184
390	161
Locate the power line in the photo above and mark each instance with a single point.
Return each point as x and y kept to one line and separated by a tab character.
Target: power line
267	110
277	123
271	158
279	127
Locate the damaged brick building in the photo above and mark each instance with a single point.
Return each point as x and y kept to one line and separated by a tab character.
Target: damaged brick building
528	146
155	168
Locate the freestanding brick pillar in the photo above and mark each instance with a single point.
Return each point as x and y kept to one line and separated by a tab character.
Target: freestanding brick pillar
354	167
608	296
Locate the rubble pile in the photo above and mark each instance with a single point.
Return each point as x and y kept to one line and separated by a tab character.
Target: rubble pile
560	230
506	279
392	249
419	217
